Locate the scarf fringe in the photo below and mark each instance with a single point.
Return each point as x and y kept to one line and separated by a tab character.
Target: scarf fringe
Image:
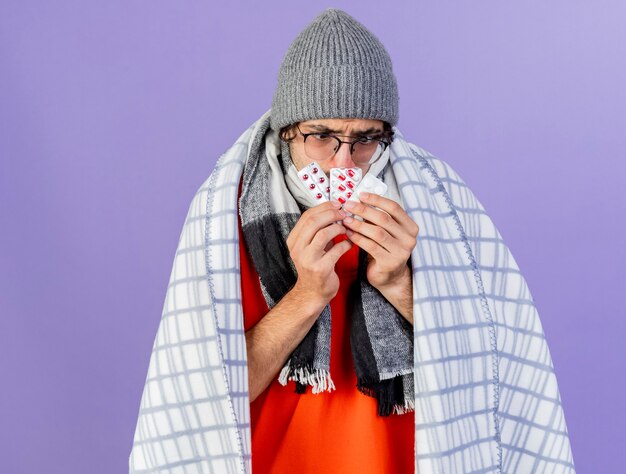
319	379
408	407
390	395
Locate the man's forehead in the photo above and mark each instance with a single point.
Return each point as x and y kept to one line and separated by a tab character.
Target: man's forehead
344	125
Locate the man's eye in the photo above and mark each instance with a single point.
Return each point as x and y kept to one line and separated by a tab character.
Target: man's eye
366	140
322	136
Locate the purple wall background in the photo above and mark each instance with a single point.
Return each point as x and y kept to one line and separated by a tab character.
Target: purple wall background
113	113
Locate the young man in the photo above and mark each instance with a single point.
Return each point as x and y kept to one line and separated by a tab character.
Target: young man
394	333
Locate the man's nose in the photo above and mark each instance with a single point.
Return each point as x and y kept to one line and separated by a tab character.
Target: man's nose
343	158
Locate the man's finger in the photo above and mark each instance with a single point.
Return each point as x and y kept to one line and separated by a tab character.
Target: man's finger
392	208
369	245
325	235
337	251
377	217
375	233
311	222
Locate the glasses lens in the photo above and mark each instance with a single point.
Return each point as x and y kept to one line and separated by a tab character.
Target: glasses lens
367	152
320	146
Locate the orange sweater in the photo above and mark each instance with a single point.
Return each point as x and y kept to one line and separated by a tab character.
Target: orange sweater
328	432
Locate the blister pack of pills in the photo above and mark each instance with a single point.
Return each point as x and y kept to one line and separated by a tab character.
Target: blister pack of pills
315	182
344	182
369	184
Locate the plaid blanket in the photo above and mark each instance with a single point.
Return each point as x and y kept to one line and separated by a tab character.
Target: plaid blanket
486	395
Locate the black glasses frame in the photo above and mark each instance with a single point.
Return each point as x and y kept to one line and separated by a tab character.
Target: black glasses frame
384	142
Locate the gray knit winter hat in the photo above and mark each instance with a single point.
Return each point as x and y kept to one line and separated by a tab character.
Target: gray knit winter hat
335	68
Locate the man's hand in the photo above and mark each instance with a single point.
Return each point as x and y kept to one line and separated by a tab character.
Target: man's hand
389	236
314	254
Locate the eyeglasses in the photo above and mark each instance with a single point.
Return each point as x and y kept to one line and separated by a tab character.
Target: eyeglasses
365	150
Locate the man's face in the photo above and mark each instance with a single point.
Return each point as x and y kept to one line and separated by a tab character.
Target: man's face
343	127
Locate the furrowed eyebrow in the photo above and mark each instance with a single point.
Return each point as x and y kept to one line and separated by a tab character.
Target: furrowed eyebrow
325	129
369	131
